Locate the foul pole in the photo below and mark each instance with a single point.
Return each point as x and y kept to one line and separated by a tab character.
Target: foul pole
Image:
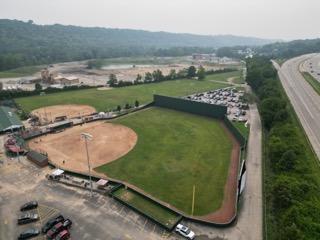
193	198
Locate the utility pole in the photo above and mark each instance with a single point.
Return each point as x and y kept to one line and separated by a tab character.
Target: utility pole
87	137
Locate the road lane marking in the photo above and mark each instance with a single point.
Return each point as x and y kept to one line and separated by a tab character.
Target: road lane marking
305	105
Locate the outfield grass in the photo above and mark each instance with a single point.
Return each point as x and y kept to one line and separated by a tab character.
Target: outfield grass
176	150
104	100
223	77
20	72
153	210
312	81
242	128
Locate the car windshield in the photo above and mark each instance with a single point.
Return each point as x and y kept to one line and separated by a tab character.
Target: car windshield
29	231
185	230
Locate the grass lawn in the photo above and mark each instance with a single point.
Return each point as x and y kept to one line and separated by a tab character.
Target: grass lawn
239	80
20	72
281	61
223	77
312	81
176	150
242	128
103	100
153	210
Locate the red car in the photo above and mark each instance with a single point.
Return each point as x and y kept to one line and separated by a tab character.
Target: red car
55	230
64	235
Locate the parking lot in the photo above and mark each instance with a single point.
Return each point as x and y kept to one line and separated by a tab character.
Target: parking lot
229	97
99	217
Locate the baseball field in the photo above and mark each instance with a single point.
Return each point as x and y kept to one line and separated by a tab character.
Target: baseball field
176	152
103	100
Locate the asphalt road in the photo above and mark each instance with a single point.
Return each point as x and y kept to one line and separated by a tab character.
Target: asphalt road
305	101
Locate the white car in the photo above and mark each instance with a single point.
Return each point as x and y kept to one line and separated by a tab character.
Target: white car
185	231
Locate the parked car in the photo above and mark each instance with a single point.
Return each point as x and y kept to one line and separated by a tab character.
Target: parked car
185	231
51	223
55	230
64	235
27	218
67	223
29	206
29	233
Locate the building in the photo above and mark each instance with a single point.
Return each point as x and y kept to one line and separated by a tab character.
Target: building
66	81
9	121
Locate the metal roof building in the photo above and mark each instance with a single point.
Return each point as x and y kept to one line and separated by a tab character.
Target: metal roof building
9	120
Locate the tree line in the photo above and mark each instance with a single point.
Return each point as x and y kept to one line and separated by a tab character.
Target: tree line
291	186
157	76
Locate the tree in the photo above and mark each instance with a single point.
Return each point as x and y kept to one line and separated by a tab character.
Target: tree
127	106
38	87
157	75
201	73
173	74
191	72
283	192
136	103
138	78
287	161
97	64
1	86
112	80
277	148
118	108
183	73
269	108
148	77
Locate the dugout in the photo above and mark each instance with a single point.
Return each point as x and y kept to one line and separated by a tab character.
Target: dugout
38	158
59	126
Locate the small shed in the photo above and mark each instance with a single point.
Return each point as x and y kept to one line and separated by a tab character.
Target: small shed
102	183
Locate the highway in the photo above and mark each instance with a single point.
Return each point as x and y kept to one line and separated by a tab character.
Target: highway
305	101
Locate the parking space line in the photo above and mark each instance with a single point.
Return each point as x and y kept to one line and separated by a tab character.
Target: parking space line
120	212
39	216
127	236
145	223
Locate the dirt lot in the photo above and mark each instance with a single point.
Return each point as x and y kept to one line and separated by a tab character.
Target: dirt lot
48	114
67	149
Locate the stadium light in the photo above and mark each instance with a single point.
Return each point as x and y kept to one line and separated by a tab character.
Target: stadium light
86	137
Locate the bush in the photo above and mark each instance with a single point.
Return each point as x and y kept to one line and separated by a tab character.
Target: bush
287	161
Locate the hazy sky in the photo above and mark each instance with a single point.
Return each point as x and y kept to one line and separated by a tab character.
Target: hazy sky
284	19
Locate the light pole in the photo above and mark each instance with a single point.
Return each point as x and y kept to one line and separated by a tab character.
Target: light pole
87	137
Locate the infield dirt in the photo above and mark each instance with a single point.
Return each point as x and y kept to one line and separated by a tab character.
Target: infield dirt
70	110
67	149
